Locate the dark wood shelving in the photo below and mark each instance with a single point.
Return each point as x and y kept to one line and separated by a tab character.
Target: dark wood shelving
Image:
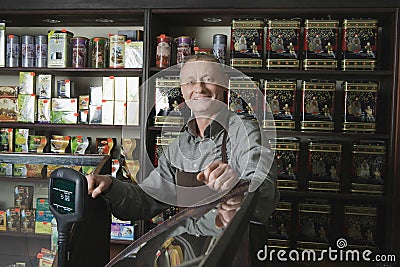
58	126
24	179
76	72
122	242
345	197
27	235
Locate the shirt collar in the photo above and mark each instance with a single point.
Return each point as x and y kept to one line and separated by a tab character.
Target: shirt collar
219	123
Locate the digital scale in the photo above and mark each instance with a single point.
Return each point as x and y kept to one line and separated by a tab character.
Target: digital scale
68	200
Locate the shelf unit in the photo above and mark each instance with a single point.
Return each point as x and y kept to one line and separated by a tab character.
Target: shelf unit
186	18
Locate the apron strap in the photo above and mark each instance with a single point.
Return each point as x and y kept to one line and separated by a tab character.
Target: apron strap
223	148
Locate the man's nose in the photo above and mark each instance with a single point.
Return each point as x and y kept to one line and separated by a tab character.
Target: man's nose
199	86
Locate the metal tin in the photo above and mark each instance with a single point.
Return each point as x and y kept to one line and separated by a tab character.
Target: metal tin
283	43
79	52
28	51
163	51
359	44
98	52
320	44
13	51
219	47
59	49
184	48
41	51
117	51
247	43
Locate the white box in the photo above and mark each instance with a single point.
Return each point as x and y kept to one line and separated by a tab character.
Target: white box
108	88
44	107
107	112
132	113
64	104
44	85
132	85
96	95
133	54
95	114
2	44
120	113
27	81
120	89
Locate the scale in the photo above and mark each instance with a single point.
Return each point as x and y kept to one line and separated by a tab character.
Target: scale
68	200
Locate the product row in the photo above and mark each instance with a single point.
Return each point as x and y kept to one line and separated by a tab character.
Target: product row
37	99
281	47
274	102
313	229
60	49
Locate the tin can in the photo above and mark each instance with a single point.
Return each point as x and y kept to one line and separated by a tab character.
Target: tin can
219	47
28	51
184	49
117	51
163	52
13	51
59	49
98	52
41	51
79	52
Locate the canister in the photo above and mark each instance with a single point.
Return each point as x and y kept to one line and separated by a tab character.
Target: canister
219	47
98	52
183	49
79	52
28	51
41	51
117	51
59	48
13	51
163	52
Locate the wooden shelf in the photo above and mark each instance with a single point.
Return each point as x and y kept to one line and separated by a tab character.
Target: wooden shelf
27	235
76	72
345	197
24	179
60	126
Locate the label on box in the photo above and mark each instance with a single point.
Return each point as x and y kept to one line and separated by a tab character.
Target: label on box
44	85
27	83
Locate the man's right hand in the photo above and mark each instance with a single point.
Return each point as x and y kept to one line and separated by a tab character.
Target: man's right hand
98	184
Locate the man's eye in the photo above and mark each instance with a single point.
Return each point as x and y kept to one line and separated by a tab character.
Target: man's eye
207	79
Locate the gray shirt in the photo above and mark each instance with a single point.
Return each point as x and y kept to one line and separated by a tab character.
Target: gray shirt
246	154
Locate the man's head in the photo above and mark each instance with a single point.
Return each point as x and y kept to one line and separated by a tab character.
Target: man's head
203	84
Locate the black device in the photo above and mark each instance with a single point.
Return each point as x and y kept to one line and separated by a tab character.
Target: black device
68	200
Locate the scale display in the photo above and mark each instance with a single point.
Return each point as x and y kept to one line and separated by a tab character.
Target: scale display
63	196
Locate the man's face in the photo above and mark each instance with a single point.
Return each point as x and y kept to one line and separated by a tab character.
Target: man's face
203	86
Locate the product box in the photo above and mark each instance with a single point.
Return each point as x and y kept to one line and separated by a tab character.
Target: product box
283	44
64	104
133	54
37	143
95	114
42	204
132	113
59	143
44	85
44	110
26	108
108	88
79	144
318	105
83	116
121	230
120	89
13	219
23	196
361	226
27	81
27	221
314	223
120	113
6	169
83	102
8	91
107	112
104	146
3	221
6	139
59	49
280	96
280	224
132	85
65	89
320	44
34	170
21	140
2	44
43	222
19	170
244	97
96	95
8	109
247	43
64	117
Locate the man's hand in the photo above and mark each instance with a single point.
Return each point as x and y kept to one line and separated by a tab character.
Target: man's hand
98	184
227	210
218	176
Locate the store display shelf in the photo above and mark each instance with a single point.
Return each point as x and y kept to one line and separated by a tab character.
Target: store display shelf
122	242
58	126
84	72
333	196
23	179
341	135
27	235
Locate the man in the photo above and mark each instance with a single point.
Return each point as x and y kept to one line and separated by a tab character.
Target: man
216	150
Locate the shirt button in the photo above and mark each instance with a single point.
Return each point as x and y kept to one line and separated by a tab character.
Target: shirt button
212	137
195	165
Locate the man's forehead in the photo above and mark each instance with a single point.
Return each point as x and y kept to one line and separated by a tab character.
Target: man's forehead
196	68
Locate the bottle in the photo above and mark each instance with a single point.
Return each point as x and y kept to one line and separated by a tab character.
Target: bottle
219	47
163	52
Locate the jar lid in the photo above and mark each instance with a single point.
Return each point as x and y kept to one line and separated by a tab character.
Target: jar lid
220	38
